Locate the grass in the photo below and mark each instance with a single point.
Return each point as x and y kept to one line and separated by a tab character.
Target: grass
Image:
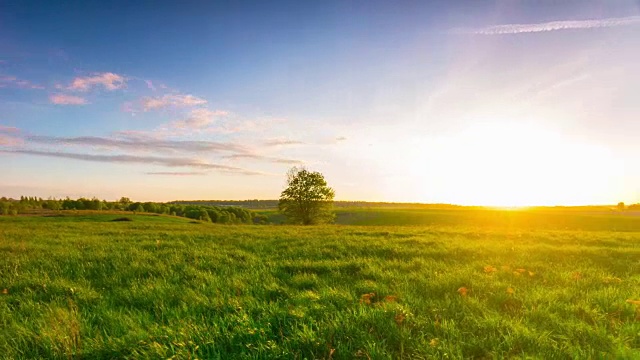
544	218
161	287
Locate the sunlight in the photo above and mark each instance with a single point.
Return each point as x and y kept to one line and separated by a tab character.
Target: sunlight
507	164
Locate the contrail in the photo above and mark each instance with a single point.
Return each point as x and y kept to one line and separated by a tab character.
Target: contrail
553	26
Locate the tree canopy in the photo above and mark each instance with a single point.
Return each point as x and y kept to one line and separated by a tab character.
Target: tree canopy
216	214
307	199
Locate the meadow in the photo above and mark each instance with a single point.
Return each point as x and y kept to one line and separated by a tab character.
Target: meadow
382	284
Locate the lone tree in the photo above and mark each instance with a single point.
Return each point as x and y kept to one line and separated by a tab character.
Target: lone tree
307	200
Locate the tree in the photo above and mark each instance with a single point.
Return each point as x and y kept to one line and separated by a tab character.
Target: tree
124	203
307	199
621	206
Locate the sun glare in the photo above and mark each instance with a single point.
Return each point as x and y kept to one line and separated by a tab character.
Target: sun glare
503	164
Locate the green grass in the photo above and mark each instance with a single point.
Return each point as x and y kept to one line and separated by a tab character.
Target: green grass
161	287
544	218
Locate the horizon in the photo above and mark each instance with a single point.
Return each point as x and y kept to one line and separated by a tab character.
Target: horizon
524	207
469	103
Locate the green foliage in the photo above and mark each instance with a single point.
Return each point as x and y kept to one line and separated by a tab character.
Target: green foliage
160	287
307	199
222	214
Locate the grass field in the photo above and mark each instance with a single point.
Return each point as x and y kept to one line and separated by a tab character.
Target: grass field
454	284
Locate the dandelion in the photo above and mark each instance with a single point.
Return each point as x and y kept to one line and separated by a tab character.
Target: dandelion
531	273
489	269
399	318
463	291
366	298
510	291
434	342
390	298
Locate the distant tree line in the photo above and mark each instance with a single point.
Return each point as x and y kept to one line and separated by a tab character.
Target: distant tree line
634	207
216	214
273	204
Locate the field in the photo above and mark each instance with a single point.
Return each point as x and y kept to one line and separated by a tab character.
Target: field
419	284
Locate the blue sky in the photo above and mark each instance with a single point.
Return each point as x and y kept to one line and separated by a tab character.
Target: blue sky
528	102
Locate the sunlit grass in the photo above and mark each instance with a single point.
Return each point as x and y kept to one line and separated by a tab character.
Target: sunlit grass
158	287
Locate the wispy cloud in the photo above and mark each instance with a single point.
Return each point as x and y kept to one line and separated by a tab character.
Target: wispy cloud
548	88
8	140
553	26
12	81
63	99
150	85
177	100
279	142
178	173
132	159
9	129
264	158
199	119
142	143
108	80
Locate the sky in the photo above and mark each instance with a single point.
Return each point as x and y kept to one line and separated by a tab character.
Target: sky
499	103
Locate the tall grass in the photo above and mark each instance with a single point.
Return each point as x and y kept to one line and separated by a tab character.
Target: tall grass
161	287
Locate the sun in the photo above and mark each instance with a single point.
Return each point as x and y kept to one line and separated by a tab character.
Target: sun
513	164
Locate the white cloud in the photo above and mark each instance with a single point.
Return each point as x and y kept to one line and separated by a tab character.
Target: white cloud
108	80
62	99
199	119
152	103
12	81
553	26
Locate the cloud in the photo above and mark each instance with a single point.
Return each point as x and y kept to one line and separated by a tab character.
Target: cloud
62	99
150	85
9	129
199	119
8	140
177	100
132	159
108	80
278	142
553	26
137	135
7	136
265	158
12	81
142	143
183	173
